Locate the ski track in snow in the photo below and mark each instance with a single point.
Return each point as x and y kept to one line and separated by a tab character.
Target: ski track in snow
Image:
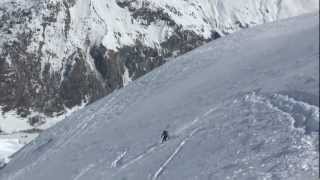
148	151
117	161
155	146
137	158
84	171
177	150
85	124
73	133
192	123
187	126
210	111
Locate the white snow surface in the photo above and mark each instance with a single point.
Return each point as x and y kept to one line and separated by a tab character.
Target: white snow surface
7	148
242	107
15	135
11	122
104	19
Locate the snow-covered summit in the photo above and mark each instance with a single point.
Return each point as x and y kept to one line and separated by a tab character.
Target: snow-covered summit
231	112
122	22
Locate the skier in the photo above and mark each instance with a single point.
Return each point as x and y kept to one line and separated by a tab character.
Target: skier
165	135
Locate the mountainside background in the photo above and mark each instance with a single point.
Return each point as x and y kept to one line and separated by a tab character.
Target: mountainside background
245	106
56	56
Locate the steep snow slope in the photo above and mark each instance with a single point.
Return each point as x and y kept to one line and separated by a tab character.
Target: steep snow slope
243	107
7	148
56	55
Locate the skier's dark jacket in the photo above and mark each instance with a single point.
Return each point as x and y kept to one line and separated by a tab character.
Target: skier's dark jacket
164	135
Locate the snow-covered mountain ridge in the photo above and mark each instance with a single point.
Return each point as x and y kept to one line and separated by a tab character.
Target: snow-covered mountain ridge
59	54
231	114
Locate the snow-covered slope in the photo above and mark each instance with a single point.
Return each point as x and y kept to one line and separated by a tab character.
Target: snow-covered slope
242	107
7	148
57	55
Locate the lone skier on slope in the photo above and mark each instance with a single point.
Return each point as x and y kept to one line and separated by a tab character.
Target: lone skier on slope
165	135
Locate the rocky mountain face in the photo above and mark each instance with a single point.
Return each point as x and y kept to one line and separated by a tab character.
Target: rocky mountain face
59	54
